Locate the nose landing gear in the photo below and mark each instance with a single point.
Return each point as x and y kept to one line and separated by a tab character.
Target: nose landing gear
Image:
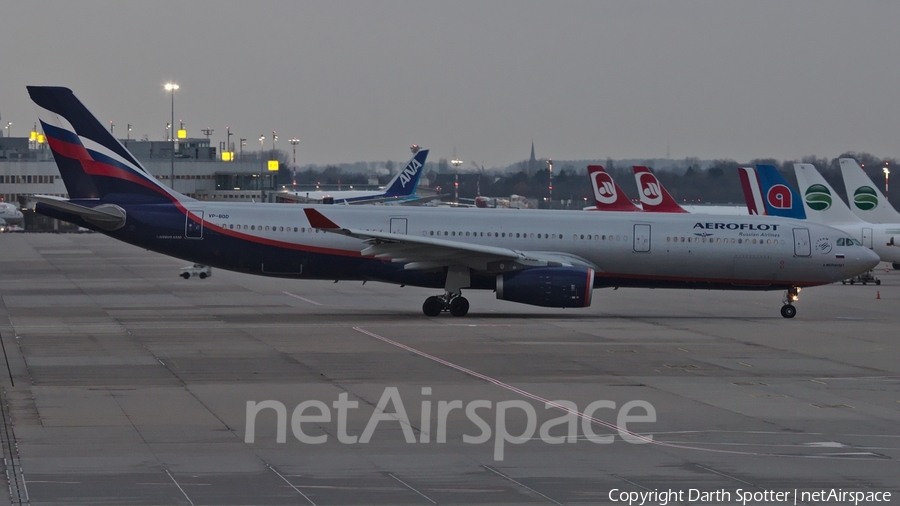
791	295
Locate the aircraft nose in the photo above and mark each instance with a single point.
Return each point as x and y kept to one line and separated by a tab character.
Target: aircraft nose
867	260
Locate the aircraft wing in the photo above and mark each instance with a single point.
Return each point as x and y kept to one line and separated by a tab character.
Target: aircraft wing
429	253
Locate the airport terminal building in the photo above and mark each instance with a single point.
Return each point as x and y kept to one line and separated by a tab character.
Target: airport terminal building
27	167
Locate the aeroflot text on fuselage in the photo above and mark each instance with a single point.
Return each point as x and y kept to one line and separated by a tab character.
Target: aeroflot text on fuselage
737	226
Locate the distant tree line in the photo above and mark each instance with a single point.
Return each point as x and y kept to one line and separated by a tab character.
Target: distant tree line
689	180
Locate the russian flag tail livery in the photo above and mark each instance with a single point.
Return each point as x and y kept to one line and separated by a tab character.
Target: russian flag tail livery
654	197
406	182
866	200
779	198
823	205
92	163
752	192
607	194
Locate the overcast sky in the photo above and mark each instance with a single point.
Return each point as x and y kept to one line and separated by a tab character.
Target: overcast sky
359	81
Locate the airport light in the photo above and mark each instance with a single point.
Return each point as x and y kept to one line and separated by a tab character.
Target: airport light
128	133
887	172
550	187
262	139
8	129
112	128
171	87
456	162
294	143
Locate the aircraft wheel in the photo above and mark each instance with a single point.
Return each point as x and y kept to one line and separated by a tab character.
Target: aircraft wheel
433	306
186	275
788	311
459	306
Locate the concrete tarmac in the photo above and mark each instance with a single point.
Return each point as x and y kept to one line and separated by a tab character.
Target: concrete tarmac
126	384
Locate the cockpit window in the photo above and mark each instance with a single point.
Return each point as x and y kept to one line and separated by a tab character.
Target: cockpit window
841	241
854	242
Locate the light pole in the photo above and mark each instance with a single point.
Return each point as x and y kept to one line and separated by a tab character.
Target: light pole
456	163
9	124
294	143
887	172
171	87
550	187
262	164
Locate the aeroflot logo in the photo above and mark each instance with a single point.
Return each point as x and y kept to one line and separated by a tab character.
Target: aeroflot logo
736	226
409	172
779	197
604	188
650	188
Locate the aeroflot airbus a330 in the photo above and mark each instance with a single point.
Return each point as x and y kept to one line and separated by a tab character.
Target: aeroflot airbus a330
544	258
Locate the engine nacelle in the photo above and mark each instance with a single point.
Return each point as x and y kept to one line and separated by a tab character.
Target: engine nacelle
548	286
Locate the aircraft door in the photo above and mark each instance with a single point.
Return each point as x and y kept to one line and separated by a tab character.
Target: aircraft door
802	246
642	238
867	237
398	226
193	229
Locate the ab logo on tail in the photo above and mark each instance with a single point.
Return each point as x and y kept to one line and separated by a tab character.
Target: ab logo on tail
604	188
650	188
779	197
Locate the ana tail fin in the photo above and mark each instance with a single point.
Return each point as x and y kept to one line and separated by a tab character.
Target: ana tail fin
92	163
406	182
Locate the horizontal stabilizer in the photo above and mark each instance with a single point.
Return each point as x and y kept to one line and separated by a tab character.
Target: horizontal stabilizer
106	216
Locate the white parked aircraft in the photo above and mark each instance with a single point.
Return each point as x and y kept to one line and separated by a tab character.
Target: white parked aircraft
866	200
400	190
543	258
823	205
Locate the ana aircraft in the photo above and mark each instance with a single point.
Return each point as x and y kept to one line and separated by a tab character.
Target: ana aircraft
543	258
400	190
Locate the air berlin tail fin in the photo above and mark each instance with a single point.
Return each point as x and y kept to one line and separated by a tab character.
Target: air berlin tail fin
607	194
752	192
654	196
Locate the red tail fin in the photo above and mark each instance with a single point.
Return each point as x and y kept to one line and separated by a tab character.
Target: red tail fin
654	197
607	194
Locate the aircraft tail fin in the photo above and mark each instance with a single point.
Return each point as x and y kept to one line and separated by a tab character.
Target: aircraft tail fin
406	182
822	203
866	200
654	196
752	191
607	194
778	197
92	163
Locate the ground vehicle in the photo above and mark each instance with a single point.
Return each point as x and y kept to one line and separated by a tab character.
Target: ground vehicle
864	278
199	270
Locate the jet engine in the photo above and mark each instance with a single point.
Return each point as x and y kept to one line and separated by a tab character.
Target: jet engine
547	286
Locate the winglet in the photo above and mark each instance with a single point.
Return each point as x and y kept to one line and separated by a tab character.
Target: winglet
318	220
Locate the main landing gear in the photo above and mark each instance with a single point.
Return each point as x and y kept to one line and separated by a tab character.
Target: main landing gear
452	300
456	304
791	295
